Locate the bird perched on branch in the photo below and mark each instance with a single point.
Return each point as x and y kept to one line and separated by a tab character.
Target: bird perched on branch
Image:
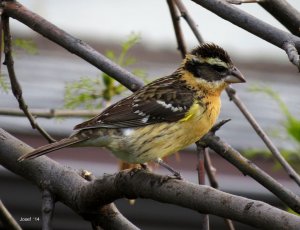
164	116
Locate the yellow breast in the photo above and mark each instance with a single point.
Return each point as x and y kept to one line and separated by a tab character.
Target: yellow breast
159	140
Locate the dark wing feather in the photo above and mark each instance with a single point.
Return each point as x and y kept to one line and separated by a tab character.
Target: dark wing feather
163	100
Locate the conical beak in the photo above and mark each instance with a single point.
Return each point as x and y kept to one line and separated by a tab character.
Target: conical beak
234	76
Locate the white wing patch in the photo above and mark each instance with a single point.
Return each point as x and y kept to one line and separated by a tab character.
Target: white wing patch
145	119
169	106
127	131
141	113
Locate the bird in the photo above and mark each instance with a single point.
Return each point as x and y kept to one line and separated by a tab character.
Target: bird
162	117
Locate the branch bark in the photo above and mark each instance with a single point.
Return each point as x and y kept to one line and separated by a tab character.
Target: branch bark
285	13
85	197
250	23
248	168
37	23
48	206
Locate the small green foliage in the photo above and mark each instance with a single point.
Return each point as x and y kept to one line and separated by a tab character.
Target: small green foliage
4	85
25	44
291	126
82	92
96	92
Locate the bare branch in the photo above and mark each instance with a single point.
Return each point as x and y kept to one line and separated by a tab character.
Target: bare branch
178	32
239	2
7	219
210	170
285	13
250	23
260	132
204	218
211	174
186	15
16	87
67	184
48	206
248	168
50	113
292	53
37	23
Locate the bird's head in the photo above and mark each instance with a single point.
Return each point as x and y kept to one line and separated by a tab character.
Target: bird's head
211	65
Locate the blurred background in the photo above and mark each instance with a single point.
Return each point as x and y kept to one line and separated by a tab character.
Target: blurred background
48	73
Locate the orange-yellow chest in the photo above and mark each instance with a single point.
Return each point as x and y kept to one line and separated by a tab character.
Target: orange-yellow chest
200	119
159	140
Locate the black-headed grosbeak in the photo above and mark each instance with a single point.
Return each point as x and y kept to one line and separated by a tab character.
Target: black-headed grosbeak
164	116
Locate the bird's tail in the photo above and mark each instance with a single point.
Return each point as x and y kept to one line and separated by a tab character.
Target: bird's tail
50	147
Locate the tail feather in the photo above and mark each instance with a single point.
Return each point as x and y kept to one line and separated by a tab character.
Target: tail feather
50	147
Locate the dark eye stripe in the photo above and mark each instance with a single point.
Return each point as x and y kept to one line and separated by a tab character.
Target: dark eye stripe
219	68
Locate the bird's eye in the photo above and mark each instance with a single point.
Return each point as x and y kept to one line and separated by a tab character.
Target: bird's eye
219	68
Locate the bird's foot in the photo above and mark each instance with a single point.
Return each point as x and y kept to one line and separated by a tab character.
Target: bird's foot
176	175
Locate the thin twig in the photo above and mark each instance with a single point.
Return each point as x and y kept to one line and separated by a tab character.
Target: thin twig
7	219
204	218
50	113
177	28
210	170
186	15
15	85
48	206
260	132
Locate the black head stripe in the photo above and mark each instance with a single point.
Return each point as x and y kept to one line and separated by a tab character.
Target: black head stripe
210	50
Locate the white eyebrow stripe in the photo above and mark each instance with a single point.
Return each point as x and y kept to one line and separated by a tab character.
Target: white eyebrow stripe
169	106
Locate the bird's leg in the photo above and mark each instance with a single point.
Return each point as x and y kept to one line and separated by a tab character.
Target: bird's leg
168	167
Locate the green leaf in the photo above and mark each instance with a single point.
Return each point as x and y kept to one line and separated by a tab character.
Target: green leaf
27	45
4	84
94	93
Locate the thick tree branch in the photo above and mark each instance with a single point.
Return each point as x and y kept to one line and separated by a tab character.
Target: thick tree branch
250	23
65	184
86	197
285	13
15	85
248	168
37	23
7	219
260	132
